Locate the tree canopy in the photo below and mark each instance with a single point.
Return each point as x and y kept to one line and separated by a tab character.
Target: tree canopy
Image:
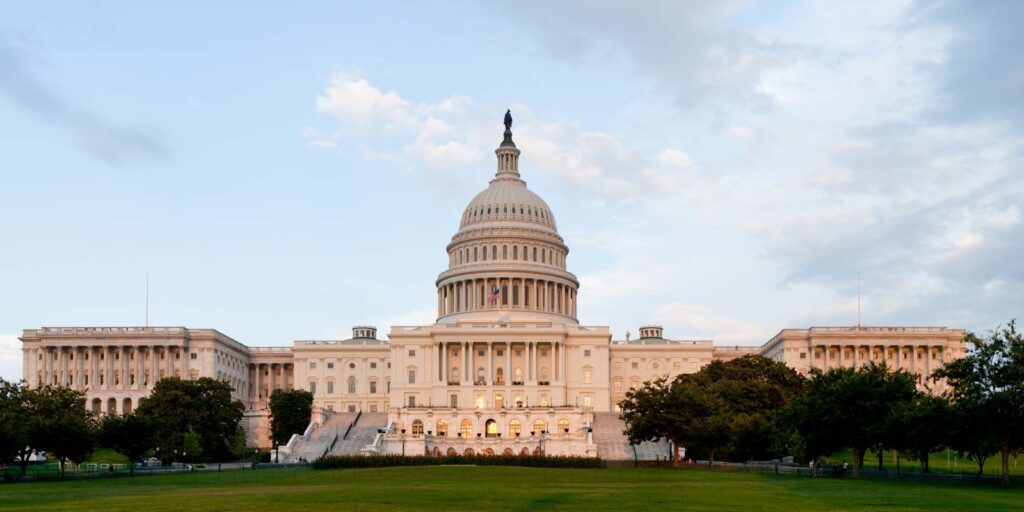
204	405
130	435
290	411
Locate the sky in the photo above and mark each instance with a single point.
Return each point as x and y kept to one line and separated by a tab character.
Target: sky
285	171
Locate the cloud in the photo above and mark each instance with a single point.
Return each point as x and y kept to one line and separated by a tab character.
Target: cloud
10	357
696	321
111	143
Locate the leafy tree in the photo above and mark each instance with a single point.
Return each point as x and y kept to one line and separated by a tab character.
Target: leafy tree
61	425
848	407
191	444
923	426
290	411
238	443
987	390
203	405
13	421
661	409
130	435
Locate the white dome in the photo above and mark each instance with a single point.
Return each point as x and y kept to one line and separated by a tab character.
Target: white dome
508	203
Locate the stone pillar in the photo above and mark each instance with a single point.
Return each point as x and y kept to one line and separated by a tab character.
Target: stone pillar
508	364
260	393
466	377
825	359
155	364
561	364
79	367
490	366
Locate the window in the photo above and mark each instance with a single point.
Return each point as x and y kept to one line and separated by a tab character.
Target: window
635	365
586	375
351	366
412	401
373	364
330	366
193	355
351	384
454	400
499	401
563	425
480	402
803	355
417	427
480	353
586	353
515	428
544	400
455	375
618	386
373	387
676	365
312	387
312	365
466	428
442	428
330	387
586	401
539	427
351	407
501	353
412	376
412	353
618	364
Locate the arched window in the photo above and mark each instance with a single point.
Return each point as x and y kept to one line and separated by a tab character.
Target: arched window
515	252
351	384
534	254
519	374
442	428
485	254
481	374
475	254
494	252
514	428
504	252
499	376
539	427
563	425
466	428
417	427
491	428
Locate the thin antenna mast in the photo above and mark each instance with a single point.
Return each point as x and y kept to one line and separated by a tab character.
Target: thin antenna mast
147	299
858	301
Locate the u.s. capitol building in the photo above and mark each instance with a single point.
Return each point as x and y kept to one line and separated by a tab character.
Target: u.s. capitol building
506	368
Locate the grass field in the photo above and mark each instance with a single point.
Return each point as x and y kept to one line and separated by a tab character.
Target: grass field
497	488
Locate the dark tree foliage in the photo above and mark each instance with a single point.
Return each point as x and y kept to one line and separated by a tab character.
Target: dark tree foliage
922	426
204	405
290	411
855	408
728	409
60	423
15	424
986	388
130	435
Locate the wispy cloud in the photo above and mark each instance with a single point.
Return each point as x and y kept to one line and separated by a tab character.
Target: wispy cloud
109	142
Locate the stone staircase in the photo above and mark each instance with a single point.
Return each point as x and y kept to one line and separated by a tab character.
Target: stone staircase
361	434
321	438
612	444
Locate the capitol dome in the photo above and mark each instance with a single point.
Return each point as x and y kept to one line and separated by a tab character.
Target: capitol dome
507	258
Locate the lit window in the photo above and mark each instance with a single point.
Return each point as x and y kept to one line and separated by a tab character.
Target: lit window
586	375
586	401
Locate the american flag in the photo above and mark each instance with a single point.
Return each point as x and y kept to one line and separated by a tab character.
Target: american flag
494	296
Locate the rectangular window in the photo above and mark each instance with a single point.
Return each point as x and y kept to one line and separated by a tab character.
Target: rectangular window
455	401
618	386
501	353
312	387
586	401
312	365
480	353
330	387
373	407
373	387
412	353
412	376
544	402
373	364
586	376
330	366
499	401
351	408
193	355
803	355
412	401
618	364
635	365
586	353
676	365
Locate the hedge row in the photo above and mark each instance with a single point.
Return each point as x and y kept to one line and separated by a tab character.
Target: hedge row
353	461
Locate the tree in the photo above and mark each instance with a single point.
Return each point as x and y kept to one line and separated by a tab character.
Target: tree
203	405
130	435
14	422
238	443
923	426
988	384
290	411
848	407
661	409
191	444
61	425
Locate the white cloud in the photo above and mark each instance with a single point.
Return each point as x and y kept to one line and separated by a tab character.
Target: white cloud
353	101
10	357
696	321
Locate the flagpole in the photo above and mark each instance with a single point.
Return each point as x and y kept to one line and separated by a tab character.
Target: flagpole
858	301
147	299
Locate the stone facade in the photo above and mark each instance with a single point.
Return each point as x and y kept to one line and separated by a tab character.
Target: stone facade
506	368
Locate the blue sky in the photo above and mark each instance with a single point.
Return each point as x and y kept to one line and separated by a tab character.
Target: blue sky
284	172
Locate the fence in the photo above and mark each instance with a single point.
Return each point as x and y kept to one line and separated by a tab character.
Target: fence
51	470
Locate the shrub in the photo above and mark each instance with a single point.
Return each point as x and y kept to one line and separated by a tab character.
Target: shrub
354	461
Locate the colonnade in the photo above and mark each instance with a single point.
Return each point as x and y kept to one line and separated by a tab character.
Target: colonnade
108	367
536	369
922	359
264	378
513	293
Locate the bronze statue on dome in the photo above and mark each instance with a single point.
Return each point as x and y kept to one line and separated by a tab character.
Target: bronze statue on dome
508	119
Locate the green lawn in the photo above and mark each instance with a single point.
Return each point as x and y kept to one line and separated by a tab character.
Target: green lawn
938	461
497	488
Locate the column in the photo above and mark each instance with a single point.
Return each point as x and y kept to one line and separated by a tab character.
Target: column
899	358
551	362
108	370
79	367
465	363
536	362
490	365
440	312
841	361
561	364
94	371
65	365
273	377
169	351
927	361
508	364
155	363
825	358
